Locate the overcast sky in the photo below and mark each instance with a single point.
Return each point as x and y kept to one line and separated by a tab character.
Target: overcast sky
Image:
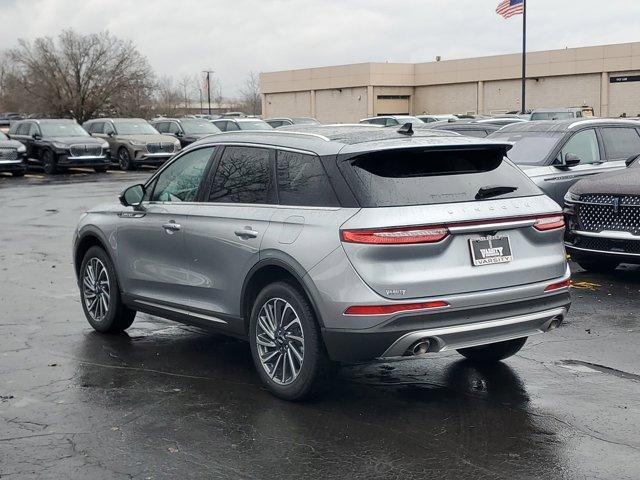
234	37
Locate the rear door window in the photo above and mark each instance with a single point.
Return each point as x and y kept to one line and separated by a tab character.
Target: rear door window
23	129
161	127
302	181
403	177
584	144
620	143
244	175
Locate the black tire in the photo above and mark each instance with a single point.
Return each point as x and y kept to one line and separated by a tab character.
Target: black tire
493	352
118	316
49	162
124	159
100	169
315	364
599	266
18	173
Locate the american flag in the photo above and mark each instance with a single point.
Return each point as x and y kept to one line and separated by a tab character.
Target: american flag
509	8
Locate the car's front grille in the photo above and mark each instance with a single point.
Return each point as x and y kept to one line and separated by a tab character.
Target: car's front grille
160	147
8	153
86	150
596	213
608	245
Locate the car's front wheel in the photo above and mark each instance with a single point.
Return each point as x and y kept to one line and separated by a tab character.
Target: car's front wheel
286	344
124	159
49	162
493	352
100	294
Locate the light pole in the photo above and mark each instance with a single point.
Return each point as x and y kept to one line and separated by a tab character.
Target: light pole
208	72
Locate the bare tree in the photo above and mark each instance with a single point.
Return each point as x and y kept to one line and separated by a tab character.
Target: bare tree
250	94
168	96
82	75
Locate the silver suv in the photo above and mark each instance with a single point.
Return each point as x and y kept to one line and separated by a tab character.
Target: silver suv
332	244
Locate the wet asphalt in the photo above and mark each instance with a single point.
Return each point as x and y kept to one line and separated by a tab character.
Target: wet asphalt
170	401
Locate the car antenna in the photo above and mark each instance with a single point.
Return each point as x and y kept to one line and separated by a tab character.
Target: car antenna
406	129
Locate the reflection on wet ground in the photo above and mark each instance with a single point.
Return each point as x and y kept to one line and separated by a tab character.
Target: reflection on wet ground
168	401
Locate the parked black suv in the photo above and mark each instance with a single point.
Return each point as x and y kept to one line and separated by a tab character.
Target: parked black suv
12	156
603	219
187	130
60	143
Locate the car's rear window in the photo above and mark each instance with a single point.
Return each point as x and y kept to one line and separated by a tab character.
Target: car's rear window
392	178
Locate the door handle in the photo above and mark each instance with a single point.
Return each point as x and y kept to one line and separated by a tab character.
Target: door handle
171	227
246	233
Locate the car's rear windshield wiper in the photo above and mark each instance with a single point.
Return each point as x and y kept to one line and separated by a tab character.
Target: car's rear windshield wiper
494	191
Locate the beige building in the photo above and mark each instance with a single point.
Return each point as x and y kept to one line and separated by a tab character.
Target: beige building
606	78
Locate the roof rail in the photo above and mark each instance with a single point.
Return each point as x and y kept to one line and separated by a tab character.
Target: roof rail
276	132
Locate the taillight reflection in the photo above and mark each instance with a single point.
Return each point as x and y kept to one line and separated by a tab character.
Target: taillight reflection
393	308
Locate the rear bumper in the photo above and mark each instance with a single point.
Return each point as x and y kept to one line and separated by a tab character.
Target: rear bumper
450	330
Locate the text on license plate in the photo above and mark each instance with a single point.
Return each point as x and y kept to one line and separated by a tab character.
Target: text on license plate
490	250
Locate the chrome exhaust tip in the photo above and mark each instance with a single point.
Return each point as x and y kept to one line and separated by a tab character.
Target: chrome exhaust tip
419	348
555	323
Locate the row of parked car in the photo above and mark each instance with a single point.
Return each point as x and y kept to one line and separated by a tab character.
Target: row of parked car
554	154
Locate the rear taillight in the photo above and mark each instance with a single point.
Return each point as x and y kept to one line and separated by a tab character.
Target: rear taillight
559	285
395	308
551	222
396	236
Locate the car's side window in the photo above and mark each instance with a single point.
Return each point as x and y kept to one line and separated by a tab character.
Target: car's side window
23	129
302	181
243	175
96	127
107	128
391	122
276	123
584	144
173	128
232	126
180	181
621	142
222	125
160	127
33	129
378	121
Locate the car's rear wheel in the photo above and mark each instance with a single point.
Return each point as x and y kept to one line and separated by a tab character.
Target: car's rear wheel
286	344
124	159
493	352
100	294
599	266
49	162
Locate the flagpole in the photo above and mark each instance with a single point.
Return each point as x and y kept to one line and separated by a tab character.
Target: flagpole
524	56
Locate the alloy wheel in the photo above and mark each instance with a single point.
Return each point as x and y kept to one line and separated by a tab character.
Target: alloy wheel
96	290
280	341
124	158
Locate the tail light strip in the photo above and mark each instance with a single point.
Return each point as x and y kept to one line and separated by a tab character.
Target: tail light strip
437	233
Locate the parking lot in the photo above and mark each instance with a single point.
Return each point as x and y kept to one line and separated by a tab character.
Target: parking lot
170	401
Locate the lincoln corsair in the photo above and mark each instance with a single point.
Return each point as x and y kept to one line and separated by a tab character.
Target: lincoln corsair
332	244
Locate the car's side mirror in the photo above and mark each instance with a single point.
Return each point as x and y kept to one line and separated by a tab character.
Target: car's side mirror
132	196
631	159
179	134
569	160
111	134
36	136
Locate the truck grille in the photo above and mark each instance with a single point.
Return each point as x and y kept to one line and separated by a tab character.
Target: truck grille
596	213
86	150
160	147
8	154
